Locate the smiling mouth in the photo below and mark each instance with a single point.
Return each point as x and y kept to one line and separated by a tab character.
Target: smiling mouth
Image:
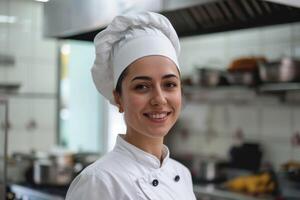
157	115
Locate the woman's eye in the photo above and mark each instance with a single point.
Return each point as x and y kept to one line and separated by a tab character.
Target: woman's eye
170	85
141	87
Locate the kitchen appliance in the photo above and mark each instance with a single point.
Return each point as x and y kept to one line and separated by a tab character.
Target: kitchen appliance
204	169
246	156
193	17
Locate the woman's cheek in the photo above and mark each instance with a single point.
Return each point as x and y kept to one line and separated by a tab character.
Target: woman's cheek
176	98
136	101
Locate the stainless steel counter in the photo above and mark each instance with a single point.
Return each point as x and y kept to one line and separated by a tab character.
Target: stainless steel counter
210	192
24	192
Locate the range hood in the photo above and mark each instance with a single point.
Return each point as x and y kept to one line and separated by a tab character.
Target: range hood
82	20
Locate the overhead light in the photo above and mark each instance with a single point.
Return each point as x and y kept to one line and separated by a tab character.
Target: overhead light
7	19
65	49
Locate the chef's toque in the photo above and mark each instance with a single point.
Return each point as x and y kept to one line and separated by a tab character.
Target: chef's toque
126	39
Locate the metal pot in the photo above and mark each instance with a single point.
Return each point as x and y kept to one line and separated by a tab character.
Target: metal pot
209	77
289	70
18	164
285	70
208	170
54	170
241	78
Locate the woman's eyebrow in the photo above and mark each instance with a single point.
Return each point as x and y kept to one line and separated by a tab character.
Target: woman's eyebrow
142	78
169	76
149	78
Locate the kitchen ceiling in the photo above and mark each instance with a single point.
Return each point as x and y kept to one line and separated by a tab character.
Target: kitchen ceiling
192	17
226	15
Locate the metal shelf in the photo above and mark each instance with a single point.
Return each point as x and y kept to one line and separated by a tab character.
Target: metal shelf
29	95
279	87
241	94
9	87
219	95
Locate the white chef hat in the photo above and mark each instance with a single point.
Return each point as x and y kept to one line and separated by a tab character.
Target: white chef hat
126	39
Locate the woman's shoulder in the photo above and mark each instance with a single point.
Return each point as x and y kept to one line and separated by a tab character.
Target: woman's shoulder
179	167
89	184
177	164
101	178
105	165
98	171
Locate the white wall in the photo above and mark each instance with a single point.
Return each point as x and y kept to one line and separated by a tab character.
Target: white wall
36	69
211	127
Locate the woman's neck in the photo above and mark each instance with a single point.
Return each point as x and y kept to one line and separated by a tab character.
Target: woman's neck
150	145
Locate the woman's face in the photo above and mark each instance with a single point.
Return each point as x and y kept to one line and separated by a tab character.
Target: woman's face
151	96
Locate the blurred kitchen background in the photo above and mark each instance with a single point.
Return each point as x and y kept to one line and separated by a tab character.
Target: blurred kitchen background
239	131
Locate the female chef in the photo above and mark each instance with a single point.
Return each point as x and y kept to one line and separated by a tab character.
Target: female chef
136	68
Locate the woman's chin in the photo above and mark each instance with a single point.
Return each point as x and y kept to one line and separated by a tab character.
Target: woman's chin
157	133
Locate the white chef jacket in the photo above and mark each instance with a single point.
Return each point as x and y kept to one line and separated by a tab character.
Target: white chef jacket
129	173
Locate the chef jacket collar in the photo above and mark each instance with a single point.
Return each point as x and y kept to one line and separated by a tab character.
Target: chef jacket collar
142	157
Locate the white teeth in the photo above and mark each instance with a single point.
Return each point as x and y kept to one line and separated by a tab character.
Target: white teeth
157	116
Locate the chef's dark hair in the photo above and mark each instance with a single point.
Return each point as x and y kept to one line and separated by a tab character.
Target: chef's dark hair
120	79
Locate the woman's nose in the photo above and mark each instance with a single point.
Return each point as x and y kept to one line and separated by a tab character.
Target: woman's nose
158	97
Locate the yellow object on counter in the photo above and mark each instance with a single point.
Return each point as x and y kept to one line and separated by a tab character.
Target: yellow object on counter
253	184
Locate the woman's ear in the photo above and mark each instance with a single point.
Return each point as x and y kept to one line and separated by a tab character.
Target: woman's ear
118	101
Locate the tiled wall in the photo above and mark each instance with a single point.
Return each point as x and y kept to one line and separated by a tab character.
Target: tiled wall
220	48
211	126
211	129
36	69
